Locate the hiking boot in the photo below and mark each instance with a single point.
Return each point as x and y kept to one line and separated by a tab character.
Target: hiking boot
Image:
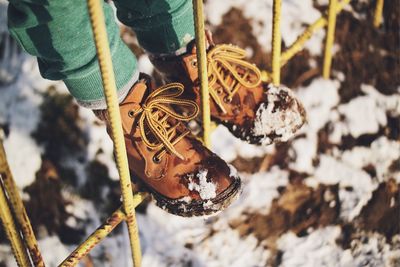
252	110
183	176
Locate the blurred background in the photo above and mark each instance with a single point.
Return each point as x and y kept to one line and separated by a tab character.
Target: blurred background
328	197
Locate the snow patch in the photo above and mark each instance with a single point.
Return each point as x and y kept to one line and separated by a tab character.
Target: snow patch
206	189
261	188
273	120
23	156
318	99
296	14
364	114
320	249
334	171
381	154
303	152
228	147
317	249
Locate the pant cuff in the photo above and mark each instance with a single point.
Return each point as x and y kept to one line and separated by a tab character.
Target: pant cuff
121	94
87	86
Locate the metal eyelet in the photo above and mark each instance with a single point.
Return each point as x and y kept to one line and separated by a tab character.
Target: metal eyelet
131	113
219	91
194	63
227	99
156	160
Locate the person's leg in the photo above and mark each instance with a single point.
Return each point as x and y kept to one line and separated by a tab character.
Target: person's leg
59	34
239	99
184	177
161	26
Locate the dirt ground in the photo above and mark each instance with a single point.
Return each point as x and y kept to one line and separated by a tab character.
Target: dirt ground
298	207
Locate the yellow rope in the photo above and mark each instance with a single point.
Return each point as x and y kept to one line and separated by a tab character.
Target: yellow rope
202	69
330	38
298	45
6	217
276	42
378	13
12	233
17	206
110	91
101	232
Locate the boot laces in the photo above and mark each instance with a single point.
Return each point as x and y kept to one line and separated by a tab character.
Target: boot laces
227	67
158	122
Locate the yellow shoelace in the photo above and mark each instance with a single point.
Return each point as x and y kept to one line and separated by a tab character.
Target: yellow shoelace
224	61
156	111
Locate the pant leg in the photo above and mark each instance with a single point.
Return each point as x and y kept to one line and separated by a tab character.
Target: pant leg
59	34
161	26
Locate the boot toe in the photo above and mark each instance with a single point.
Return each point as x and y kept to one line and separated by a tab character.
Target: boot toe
278	118
211	190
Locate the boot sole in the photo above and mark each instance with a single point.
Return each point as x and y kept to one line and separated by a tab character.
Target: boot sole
195	208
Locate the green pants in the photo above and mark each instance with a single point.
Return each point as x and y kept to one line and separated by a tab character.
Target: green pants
59	34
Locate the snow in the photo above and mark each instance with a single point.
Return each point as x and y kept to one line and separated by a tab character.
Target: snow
381	154
333	171
317	105
317	249
25	161
319	109
272	120
320	249
228	147
164	243
295	15
18	110
390	104
206	189
365	114
99	140
362	116
169	240
303	150
260	189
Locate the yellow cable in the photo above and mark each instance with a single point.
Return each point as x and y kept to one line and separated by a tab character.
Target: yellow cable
378	13
11	230
101	232
96	237
202	69
298	45
276	42
17	206
330	38
110	91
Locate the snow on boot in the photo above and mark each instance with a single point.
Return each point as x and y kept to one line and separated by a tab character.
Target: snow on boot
184	177
252	110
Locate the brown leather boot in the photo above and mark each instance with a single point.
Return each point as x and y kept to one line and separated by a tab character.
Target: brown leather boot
253	111
184	177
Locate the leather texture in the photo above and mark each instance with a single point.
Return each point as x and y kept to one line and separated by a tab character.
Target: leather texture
200	176
241	110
